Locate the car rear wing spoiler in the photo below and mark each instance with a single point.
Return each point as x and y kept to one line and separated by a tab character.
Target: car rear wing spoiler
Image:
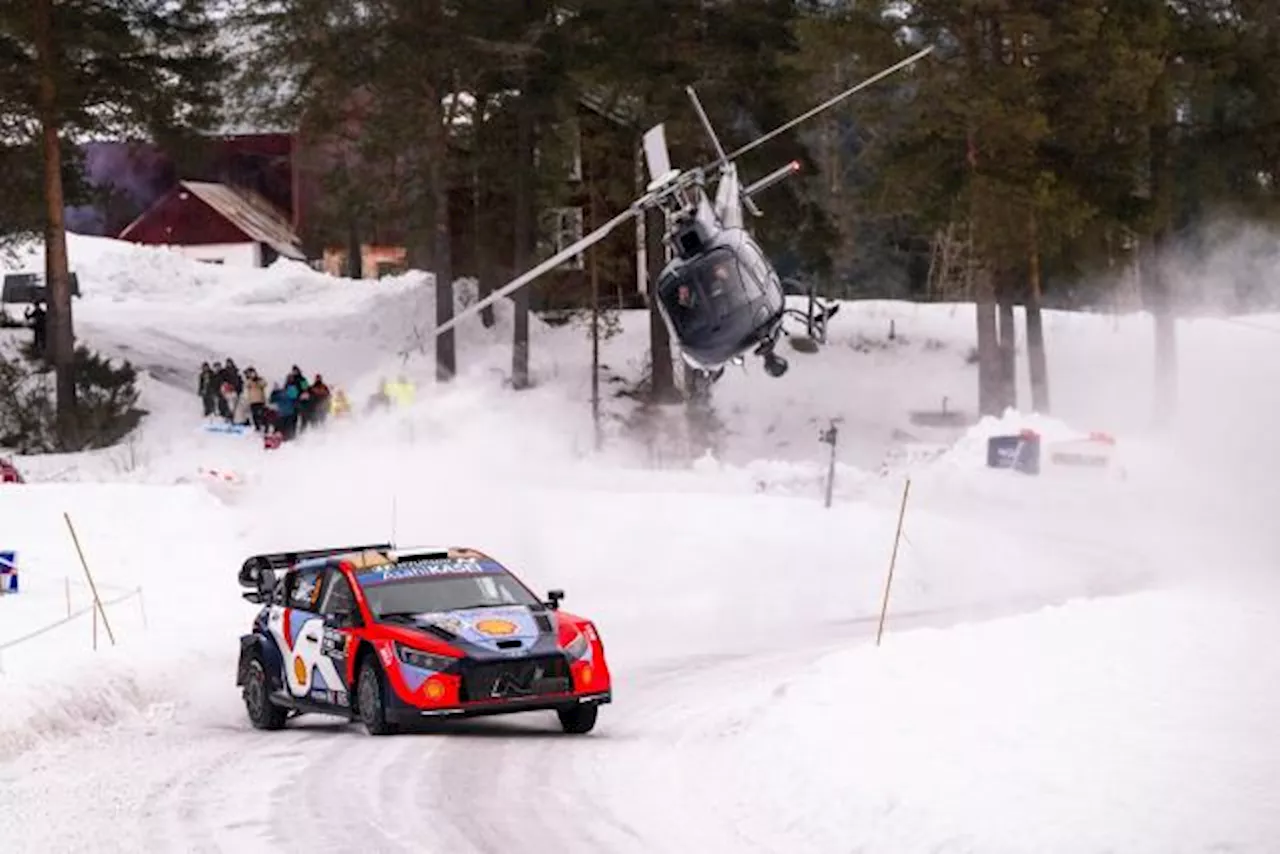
259	572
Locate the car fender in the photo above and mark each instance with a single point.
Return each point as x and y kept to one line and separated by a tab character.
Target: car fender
265	647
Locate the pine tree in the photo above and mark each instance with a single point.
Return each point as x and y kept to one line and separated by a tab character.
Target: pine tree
390	91
108	67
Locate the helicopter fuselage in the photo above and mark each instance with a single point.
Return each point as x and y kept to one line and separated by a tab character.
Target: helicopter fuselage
722	301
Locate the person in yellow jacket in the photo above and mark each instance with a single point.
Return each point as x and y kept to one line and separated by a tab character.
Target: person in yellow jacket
401	392
339	406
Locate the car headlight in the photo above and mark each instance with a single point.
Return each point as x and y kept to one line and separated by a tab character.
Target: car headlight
424	660
577	647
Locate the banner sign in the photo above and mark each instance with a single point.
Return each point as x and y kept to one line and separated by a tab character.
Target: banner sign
8	572
1020	452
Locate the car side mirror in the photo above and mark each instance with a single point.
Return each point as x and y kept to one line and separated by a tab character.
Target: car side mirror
553	598
253	596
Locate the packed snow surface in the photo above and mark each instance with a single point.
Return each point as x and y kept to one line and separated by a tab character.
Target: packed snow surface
1077	661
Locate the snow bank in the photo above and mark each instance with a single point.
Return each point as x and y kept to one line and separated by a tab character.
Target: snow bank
1138	724
164	556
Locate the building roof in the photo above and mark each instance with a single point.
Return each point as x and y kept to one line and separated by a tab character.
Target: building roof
623	110
251	213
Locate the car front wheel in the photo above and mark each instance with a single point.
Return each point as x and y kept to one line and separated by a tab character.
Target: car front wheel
263	713
371	692
579	719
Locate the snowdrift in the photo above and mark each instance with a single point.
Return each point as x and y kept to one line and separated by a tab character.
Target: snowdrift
162	560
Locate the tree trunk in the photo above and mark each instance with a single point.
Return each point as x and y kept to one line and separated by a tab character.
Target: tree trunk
483	265
1037	362
355	259
523	236
597	427
1155	286
61	341
662	387
978	277
480	245
989	386
420	215
1008	342
438	172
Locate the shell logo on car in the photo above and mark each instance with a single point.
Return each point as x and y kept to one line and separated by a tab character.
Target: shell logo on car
496	627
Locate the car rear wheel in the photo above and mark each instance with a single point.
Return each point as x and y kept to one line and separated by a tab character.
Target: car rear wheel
370	699
580	719
263	713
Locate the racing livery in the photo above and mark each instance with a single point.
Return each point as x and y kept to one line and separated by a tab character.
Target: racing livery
389	638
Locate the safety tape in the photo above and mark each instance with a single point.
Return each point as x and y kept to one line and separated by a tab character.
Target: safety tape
75	616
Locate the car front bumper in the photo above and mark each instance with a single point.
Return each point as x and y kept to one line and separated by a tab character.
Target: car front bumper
404	713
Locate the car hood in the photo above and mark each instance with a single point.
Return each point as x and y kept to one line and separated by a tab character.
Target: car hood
485	632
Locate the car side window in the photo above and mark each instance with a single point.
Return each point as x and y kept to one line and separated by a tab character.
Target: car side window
305	589
279	593
338	598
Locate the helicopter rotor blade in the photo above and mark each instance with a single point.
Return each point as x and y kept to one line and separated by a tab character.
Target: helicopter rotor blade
831	102
706	125
554	261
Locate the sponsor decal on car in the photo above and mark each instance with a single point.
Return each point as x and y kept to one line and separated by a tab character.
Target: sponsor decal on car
335	644
430	568
500	628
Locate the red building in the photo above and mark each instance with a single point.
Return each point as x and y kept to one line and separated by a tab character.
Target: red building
248	199
219	224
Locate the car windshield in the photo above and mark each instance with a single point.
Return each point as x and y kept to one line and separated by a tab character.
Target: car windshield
445	584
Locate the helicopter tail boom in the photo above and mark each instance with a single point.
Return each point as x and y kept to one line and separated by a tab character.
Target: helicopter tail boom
774	177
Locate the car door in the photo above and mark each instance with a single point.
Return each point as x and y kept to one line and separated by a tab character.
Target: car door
341	620
298	629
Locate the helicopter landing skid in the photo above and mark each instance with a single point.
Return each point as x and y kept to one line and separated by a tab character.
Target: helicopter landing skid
774	365
816	318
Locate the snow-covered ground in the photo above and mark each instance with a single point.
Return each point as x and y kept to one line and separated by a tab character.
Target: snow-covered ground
1080	661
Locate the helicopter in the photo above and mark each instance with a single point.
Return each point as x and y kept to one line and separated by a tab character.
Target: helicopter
718	293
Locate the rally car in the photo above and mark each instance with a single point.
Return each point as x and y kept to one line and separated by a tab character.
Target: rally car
391	637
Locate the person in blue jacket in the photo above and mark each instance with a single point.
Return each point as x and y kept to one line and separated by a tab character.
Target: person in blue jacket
285	401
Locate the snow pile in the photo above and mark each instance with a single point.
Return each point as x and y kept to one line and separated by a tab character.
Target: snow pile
970	451
1141	724
163	560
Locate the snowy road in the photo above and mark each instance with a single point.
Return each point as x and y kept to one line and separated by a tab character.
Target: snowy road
194	776
669	766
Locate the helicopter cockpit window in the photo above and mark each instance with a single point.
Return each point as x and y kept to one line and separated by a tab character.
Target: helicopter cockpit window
704	291
756	271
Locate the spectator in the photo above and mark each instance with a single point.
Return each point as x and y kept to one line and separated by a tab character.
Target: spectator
39	320
379	399
401	392
285	401
256	395
339	406
208	389
219	396
318	406
233	376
